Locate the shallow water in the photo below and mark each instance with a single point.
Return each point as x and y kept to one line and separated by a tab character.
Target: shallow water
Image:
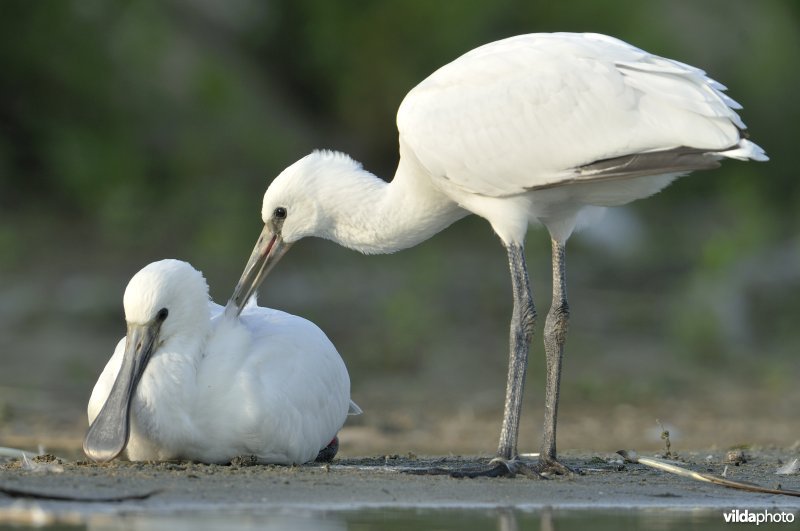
500	519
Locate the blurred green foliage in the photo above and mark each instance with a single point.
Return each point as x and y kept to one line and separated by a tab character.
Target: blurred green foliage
118	112
134	130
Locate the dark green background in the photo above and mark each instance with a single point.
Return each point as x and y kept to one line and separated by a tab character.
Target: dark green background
132	131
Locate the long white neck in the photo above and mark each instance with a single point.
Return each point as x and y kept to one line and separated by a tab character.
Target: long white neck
372	216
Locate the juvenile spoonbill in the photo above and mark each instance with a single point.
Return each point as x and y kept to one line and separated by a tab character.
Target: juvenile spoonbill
541	128
189	382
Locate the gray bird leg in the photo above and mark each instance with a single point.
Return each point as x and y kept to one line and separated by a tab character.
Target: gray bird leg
523	320
555	335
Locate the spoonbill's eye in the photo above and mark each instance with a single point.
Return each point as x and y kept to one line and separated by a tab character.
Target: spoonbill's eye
280	213
162	314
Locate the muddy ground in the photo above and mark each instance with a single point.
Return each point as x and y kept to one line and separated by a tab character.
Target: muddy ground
93	490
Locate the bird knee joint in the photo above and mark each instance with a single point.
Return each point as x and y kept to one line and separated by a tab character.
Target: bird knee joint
562	313
529	319
557	320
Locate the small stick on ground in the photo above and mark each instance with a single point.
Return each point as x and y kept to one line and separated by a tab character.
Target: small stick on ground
14	492
633	457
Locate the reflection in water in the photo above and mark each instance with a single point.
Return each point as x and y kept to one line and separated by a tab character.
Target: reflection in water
445	519
280	521
507	520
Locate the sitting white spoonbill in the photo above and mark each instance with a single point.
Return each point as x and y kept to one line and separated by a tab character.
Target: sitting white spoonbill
540	128
189	382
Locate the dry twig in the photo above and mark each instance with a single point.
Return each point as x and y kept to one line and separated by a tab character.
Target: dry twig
660	464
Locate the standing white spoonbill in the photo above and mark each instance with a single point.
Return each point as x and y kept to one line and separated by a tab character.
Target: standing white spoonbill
189	382
541	128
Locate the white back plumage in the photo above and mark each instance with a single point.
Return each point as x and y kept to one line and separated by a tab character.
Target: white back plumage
526	112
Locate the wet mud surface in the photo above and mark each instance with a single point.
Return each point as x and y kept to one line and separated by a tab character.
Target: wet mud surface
62	488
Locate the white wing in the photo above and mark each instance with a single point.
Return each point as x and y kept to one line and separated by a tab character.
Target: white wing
302	377
354	409
539	110
286	389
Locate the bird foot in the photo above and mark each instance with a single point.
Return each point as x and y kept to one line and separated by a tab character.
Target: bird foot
244	460
549	466
327	454
497	467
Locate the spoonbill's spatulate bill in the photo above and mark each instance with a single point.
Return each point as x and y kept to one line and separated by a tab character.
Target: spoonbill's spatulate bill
542	128
189	382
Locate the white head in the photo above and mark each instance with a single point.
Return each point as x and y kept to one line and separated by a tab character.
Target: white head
164	301
310	197
170	285
319	195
